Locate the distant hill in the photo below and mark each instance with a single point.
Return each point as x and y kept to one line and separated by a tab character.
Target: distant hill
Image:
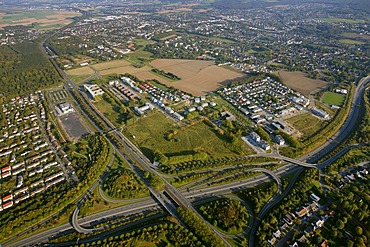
238	4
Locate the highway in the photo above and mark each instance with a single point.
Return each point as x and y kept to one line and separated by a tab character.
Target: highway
185	199
148	206
348	126
272	202
207	192
320	152
89	221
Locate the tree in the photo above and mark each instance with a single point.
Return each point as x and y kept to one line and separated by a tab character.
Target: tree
340	224
359	230
350	243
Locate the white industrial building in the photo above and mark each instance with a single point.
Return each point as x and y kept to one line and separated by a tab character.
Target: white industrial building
63	109
93	90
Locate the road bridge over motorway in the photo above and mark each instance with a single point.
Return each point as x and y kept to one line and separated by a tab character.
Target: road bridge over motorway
284	158
296	162
347	127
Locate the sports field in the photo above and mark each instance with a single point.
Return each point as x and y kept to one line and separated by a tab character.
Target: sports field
299	82
40	19
333	98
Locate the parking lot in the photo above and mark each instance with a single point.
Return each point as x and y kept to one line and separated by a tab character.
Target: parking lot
73	125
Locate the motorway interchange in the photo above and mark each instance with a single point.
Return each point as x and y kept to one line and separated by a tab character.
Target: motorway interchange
187	196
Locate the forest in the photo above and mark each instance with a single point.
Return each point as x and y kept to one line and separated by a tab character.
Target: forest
123	183
25	69
227	214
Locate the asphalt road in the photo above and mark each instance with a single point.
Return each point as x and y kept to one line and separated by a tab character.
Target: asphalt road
347	127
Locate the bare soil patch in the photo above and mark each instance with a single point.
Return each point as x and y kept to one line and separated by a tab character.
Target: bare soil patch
299	81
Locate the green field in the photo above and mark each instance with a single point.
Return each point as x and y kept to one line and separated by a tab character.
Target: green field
16	17
143	42
257	50
38	19
162	76
139	57
351	42
307	124
160	86
341	20
110	111
150	134
334	98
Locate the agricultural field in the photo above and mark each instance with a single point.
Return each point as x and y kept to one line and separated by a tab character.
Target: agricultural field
83	71
356	35
307	124
333	98
351	42
149	133
299	82
183	9
110	65
118	67
341	20
198	77
39	19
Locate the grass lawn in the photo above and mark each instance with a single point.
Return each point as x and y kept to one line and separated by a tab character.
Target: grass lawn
150	134
109	110
343	20
96	204
143	41
160	86
351	42
77	79
307	124
162	76
257	50
334	98
139	56
326	108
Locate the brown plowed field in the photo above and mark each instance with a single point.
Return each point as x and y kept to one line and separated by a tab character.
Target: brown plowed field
197	77
299	82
